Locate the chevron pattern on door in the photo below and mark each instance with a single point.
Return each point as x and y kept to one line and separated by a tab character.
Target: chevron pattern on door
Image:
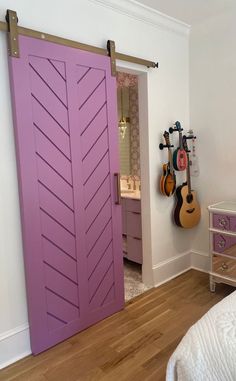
65	124
55	187
92	102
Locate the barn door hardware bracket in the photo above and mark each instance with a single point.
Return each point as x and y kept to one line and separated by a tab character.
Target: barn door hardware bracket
111	51
13	46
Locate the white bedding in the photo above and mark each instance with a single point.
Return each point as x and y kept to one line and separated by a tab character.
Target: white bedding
208	350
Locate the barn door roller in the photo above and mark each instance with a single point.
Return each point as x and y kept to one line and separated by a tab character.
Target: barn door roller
14	30
13	46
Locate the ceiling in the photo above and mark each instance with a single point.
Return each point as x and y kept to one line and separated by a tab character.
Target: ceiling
189	11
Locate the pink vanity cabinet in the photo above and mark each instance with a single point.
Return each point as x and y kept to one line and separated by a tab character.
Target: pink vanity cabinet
132	229
222	229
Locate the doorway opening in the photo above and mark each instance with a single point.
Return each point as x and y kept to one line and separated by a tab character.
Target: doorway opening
131	184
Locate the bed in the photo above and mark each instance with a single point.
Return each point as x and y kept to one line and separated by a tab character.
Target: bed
208	350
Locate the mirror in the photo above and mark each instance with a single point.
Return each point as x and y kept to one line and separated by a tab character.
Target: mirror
128	124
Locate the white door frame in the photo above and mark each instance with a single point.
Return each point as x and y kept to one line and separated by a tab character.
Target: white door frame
142	73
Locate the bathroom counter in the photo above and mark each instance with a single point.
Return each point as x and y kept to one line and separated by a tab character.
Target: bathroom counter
136	195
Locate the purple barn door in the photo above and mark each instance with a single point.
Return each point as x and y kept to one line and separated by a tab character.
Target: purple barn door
65	122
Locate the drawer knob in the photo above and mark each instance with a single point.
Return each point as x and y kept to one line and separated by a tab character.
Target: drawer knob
221	244
222	222
224	266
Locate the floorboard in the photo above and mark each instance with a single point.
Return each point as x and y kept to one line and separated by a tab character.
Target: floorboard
134	344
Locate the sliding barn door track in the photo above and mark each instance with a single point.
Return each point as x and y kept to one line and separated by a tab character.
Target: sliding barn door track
13	30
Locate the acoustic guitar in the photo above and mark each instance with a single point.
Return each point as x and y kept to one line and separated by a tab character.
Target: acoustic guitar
180	155
187	211
168	180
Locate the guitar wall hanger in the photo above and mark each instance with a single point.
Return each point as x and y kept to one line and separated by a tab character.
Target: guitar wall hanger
189	137
177	128
162	146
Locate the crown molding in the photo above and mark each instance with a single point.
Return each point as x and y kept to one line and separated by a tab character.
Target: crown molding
148	15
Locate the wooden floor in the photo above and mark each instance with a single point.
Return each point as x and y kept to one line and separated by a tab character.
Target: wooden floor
134	344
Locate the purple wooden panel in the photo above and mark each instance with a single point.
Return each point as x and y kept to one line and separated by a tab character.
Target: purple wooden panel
104	287
232	223
92	107
100	271
133	205
98	226
124	218
94	131
224	244
50	76
59	256
59	66
221	221
110	296
60	285
97	203
134	227
81	72
55	208
99	249
96	179
60	308
58	234
98	151
49	100
88	85
54	323
50	128
134	249
55	183
50	153
59	260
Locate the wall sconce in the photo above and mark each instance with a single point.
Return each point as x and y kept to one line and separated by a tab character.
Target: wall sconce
122	122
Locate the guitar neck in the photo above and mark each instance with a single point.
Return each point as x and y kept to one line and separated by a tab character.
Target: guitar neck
188	176
180	140
170	159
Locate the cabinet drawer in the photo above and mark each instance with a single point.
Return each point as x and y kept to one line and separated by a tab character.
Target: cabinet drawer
133	205
224	222
124	220
134	227
224	266
224	244
134	246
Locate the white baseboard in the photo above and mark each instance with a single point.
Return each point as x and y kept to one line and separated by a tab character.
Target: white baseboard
14	345
200	261
169	269
175	266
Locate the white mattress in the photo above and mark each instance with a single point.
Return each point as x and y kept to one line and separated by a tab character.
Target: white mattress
208	350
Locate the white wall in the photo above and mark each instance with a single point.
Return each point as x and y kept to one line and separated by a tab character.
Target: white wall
212	105
139	32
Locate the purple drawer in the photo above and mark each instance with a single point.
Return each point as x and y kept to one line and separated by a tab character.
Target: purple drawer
224	222
124	220
224	244
133	205
134	227
134	246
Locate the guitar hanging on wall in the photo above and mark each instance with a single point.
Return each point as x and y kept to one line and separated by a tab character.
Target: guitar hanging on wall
168	180
187	211
179	155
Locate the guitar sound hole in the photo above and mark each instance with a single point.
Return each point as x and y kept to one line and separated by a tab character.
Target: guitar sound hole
189	198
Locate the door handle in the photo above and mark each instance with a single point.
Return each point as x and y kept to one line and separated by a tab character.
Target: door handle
117	186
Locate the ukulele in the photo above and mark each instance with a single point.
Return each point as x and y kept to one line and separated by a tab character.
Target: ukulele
193	159
179	155
187	211
168	180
